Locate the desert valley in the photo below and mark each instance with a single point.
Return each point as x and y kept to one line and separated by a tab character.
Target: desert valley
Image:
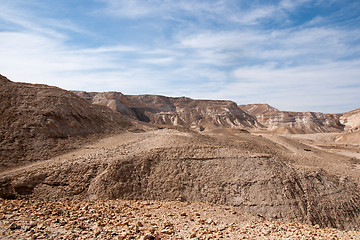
89	165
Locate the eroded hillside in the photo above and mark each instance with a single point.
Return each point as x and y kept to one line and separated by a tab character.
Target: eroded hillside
293	122
38	121
182	111
231	168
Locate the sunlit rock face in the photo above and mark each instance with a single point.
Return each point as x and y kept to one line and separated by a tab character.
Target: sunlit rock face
293	122
181	111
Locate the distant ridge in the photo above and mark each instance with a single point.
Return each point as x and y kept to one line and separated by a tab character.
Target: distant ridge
180	111
293	122
212	114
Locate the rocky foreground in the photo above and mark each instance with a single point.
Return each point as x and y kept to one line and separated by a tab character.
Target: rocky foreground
121	219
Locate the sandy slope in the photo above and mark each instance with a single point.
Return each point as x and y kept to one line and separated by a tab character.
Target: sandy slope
323	152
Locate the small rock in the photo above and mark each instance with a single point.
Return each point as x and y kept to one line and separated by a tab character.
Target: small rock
168	224
14	226
210	221
29	226
167	231
193	235
148	236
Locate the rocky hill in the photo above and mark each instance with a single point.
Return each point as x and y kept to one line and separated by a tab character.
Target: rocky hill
182	111
38	121
297	122
271	176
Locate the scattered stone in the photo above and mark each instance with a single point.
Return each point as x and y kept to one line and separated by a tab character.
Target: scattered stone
167	231
38	220
14	226
148	236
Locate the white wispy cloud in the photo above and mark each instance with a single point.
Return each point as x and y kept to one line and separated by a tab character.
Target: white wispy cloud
313	86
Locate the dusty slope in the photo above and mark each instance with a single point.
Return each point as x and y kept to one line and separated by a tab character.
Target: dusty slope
293	122
228	167
119	219
38	121
352	137
181	111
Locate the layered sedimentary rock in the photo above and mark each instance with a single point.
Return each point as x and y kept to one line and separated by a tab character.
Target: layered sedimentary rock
293	122
351	120
182	111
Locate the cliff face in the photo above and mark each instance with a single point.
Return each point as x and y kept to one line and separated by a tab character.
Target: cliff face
351	120
182	111
294	122
35	120
211	114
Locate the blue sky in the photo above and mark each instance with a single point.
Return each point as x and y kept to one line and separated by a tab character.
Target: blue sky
299	55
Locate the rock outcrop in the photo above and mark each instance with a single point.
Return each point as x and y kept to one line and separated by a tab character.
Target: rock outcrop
38	121
294	122
212	114
351	120
181	111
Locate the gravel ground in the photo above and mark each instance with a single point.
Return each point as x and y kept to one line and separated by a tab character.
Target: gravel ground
120	219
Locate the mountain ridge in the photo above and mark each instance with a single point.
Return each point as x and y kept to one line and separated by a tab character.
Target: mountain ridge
294	122
212	114
176	111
